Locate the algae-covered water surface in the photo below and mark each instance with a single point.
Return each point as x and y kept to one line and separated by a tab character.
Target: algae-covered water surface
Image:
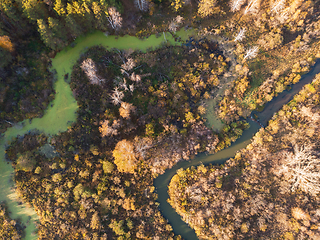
62	111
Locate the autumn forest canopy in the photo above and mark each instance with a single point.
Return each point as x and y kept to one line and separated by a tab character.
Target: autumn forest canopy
141	112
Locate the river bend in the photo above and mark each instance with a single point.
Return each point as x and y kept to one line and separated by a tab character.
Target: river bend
62	112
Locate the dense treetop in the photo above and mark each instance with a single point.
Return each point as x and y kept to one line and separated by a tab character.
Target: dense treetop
270	189
140	113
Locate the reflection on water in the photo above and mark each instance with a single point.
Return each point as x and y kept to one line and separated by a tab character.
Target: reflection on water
161	183
62	113
286	96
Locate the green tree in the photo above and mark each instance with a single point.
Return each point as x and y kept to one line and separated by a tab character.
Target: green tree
117	227
25	162
33	9
107	167
9	8
57	29
59	8
57	177
5	57
45	33
149	129
37	170
78	191
75	29
130	224
99	16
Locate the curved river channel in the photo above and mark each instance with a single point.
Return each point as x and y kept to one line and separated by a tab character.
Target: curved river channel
62	112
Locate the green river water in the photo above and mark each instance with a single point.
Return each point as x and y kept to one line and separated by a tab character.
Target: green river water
62	112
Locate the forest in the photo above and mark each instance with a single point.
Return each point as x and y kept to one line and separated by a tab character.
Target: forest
270	189
140	113
128	111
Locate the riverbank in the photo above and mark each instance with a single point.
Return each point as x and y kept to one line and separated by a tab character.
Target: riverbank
80	149
232	201
60	114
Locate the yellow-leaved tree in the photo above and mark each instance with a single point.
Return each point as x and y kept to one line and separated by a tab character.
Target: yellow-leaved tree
207	7
124	156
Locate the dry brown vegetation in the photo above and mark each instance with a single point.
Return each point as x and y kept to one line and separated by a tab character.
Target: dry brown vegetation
89	67
145	116
287	38
269	190
9	229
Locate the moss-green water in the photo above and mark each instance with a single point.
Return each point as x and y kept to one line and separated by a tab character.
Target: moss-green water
213	121
62	111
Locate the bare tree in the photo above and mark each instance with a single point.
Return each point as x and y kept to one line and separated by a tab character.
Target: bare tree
107	130
125	109
284	15
302	169
164	36
117	96
141	145
311	116
89	67
251	53
253	7
135	77
179	19
114	18
175	23
143	5
131	87
277	6
123	84
173	26
241	35
104	128
235	5
127	66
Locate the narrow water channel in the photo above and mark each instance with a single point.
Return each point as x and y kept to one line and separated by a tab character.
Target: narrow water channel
162	182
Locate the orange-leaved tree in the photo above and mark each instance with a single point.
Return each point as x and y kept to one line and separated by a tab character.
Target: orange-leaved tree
124	156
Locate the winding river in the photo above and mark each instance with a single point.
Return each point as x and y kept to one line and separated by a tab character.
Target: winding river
62	112
162	182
